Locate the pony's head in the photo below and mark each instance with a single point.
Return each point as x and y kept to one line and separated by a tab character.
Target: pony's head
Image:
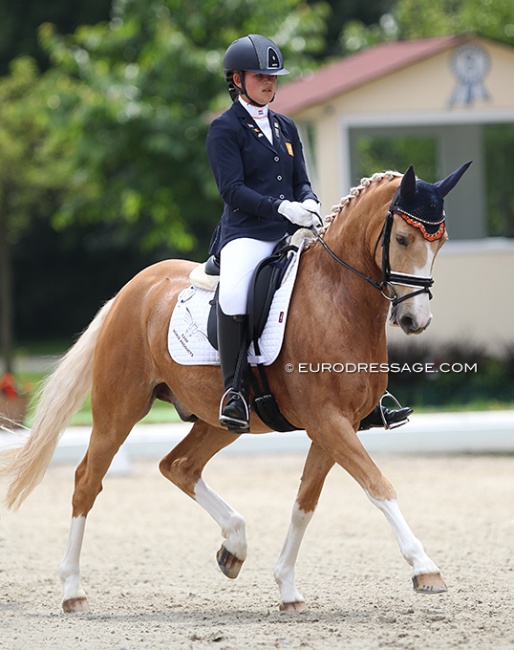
413	234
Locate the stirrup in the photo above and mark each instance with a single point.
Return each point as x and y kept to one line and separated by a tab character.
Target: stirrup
383	409
381	416
235	425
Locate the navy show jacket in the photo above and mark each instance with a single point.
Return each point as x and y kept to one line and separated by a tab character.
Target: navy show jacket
254	176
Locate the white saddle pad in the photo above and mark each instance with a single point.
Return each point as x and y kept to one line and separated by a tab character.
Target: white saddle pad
187	335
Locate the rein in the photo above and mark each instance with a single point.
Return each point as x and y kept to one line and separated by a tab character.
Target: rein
389	277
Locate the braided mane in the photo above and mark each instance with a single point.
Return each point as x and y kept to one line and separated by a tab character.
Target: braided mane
355	192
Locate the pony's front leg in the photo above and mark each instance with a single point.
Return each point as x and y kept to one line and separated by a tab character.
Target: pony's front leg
317	466
337	436
183	466
426	576
74	597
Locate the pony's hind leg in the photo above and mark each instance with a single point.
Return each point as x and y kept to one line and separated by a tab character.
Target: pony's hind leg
183	466
317	466
74	597
113	419
88	485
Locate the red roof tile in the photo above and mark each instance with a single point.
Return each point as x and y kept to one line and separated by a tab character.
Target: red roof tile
356	70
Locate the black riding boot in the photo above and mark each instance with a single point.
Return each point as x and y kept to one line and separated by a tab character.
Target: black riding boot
381	416
233	349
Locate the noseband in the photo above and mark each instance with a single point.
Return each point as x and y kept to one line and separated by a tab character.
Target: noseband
390	278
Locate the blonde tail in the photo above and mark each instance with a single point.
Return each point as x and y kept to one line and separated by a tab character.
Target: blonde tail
63	393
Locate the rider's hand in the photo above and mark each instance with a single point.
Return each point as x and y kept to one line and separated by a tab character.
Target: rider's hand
314	207
297	213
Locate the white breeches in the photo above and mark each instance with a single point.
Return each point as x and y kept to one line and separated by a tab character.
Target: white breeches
238	260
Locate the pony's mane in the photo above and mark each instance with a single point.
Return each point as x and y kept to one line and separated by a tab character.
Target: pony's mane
354	193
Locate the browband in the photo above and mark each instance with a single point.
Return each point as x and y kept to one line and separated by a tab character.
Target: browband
420	224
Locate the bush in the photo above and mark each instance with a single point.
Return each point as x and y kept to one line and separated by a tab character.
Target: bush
451	375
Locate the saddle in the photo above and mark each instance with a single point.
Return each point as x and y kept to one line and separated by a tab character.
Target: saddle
267	278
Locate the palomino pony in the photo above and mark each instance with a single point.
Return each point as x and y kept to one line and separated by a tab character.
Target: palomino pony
340	303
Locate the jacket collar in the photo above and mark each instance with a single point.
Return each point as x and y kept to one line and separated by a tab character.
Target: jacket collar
248	122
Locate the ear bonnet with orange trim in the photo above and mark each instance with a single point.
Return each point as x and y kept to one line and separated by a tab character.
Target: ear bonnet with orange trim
420	203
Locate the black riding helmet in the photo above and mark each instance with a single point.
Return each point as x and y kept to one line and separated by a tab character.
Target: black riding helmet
252	53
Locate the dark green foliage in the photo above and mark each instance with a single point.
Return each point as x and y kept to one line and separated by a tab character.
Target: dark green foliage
20	21
118	123
452	374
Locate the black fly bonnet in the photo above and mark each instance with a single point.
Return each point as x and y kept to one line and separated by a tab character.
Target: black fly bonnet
420	204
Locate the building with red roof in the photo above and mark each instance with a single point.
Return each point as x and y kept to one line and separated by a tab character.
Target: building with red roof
443	92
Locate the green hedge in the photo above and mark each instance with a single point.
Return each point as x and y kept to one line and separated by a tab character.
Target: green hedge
456	374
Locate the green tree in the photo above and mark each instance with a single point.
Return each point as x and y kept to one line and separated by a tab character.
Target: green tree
123	111
20	21
411	19
424	18
350	12
146	86
32	168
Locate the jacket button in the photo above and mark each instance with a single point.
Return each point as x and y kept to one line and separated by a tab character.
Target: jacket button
276	159
279	178
281	196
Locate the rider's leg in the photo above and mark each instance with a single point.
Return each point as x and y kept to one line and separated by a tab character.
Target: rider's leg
233	346
238	260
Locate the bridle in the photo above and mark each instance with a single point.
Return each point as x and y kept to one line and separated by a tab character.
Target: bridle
390	278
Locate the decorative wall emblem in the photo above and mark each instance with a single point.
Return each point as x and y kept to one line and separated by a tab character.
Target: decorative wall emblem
470	65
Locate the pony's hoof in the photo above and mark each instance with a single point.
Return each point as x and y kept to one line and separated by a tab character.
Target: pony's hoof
298	606
229	564
75	605
429	583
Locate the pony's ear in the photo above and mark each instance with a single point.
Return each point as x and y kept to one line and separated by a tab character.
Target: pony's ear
445	186
408	185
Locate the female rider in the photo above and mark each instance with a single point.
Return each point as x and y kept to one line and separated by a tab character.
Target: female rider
257	160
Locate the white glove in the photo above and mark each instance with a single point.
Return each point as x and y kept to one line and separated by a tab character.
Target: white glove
296	213
314	207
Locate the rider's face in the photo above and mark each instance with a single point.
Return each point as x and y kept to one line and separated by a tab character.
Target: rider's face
260	87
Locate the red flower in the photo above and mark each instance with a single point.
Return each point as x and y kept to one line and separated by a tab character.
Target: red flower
8	386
